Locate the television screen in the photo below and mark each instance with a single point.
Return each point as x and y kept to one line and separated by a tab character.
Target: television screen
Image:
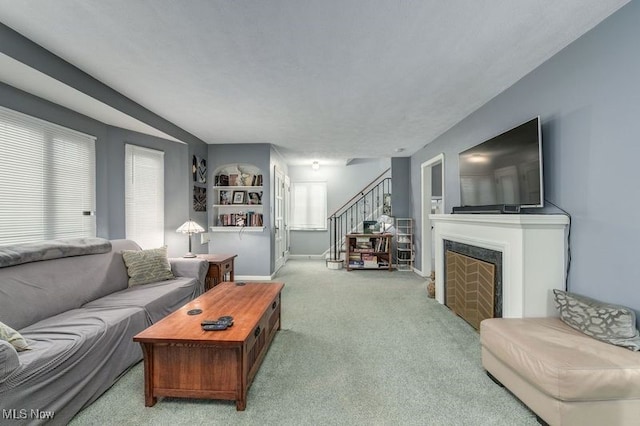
506	169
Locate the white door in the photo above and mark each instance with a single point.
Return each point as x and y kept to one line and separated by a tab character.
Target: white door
427	261
279	218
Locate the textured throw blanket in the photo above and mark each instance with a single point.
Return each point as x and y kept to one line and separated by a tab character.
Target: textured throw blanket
17	254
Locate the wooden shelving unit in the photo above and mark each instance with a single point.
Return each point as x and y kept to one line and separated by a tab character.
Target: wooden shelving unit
368	251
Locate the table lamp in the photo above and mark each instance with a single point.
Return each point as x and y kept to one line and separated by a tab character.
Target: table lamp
190	227
385	220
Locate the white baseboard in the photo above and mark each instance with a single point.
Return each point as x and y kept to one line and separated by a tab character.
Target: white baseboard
253	278
307	256
419	272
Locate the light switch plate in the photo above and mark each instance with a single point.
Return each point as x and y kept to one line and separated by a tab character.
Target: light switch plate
204	238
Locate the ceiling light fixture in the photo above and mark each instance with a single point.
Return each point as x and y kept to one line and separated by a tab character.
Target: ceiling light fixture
315	165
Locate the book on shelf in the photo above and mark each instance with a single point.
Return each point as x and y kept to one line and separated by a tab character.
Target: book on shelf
240	219
222	180
381	244
369	261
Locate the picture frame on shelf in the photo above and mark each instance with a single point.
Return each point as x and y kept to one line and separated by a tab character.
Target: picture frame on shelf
239	197
370	227
255	197
225	197
233	179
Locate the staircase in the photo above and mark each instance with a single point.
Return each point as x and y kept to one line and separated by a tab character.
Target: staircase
369	204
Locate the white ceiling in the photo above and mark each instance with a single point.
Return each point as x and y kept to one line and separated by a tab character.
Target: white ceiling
325	79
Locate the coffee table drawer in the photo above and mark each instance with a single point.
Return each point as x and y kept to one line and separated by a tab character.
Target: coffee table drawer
263	334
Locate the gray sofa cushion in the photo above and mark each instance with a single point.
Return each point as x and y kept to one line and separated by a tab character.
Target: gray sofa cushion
9	360
156	299
17	254
54	286
75	357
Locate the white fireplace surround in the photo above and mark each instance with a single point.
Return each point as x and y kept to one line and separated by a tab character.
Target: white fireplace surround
533	255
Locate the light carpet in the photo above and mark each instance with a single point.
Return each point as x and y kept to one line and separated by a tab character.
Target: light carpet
356	348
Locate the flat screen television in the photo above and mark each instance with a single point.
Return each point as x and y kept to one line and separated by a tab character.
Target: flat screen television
504	170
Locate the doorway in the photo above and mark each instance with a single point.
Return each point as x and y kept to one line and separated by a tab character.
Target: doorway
432	201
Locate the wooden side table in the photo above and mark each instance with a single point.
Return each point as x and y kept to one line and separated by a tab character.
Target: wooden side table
219	266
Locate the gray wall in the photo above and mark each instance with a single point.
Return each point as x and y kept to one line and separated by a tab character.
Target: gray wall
588	97
343	182
253	248
401	187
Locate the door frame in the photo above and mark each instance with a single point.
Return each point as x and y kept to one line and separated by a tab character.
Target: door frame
279	207
425	202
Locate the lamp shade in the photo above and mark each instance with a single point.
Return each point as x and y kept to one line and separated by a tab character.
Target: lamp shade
386	221
190	227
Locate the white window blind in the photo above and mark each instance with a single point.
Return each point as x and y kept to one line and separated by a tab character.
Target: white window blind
309	201
144	196
47	180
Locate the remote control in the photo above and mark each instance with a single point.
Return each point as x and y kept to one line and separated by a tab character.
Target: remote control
214	327
209	322
226	320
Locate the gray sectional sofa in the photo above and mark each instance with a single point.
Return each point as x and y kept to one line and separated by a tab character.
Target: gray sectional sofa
79	316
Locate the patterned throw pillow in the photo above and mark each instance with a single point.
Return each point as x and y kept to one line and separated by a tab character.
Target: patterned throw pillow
147	266
609	323
8	334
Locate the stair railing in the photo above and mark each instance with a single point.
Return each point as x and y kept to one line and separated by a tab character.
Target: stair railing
367	204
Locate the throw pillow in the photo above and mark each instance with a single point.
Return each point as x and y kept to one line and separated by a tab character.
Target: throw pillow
609	323
9	360
147	266
8	334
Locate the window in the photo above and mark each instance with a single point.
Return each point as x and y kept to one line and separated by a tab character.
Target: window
47	180
309	201
144	196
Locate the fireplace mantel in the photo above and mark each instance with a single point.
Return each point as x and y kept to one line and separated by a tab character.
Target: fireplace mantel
533	255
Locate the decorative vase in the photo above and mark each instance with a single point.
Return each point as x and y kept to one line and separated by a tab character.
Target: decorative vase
431	289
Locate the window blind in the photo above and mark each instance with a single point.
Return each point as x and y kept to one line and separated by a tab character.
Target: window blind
47	180
144	196
309	201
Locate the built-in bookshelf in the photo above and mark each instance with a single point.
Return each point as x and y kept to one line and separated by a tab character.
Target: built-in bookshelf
368	251
237	196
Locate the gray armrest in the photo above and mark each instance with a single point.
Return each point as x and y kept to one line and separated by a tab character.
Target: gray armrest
189	267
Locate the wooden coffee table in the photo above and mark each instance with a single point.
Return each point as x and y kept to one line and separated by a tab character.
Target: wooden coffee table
182	360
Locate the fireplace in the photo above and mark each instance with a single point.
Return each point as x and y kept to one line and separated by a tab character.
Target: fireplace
531	249
473	281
